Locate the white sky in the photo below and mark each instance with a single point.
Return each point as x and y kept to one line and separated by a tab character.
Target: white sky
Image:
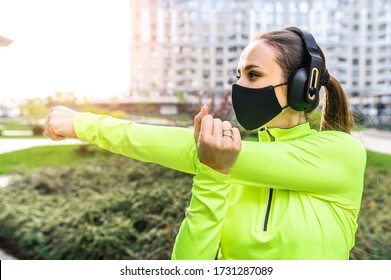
65	45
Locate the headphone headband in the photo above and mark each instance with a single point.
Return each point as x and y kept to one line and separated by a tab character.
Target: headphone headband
312	78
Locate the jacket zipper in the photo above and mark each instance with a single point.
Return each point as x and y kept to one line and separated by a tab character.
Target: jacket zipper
270	194
268	206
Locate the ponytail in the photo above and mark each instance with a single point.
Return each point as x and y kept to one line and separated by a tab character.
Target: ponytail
336	114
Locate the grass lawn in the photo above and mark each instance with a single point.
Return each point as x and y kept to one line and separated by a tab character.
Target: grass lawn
377	160
24	136
46	156
14	124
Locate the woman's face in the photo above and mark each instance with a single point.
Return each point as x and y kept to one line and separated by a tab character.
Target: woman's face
258	68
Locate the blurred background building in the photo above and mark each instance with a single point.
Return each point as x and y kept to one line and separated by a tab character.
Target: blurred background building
189	49
7	106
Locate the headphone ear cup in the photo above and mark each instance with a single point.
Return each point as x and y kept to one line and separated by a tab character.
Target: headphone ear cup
297	91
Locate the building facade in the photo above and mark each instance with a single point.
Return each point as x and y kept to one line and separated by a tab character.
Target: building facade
192	47
6	106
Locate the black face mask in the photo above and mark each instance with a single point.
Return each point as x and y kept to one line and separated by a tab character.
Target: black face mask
254	107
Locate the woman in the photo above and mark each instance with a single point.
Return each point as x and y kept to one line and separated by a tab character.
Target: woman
295	194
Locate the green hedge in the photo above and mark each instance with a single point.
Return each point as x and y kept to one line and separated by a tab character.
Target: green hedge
373	237
118	208
107	208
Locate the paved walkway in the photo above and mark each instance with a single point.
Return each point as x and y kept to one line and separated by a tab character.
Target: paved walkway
5	256
13	144
374	140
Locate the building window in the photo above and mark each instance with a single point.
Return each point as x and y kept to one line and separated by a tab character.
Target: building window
342	71
355	94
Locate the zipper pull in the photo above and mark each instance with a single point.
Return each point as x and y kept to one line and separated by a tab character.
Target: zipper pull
272	138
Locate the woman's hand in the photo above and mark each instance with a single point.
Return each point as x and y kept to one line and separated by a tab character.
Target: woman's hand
59	123
218	143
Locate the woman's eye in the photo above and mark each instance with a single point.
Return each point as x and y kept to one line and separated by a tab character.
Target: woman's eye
238	76
253	75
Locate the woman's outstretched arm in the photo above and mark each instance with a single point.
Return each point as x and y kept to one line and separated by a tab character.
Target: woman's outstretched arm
172	147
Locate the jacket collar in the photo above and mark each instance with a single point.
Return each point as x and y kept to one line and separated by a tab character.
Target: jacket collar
266	134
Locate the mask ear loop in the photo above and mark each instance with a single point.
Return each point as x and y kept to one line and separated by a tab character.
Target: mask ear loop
280	85
286	106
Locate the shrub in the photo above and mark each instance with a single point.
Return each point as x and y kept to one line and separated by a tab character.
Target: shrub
373	238
112	208
37	130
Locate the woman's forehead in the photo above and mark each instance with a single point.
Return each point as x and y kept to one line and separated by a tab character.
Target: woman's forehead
258	53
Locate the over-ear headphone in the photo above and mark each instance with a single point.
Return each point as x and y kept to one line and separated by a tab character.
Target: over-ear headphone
304	83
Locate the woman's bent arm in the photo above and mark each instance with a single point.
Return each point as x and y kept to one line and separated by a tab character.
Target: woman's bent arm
199	235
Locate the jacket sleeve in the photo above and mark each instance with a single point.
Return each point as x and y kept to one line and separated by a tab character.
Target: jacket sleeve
172	147
329	163
199	234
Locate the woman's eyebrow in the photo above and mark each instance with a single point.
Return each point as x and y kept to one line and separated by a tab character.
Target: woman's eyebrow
248	67
251	66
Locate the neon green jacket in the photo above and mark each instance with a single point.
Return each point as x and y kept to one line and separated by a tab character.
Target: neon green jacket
295	195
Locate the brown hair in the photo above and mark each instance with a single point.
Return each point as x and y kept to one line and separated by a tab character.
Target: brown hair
290	55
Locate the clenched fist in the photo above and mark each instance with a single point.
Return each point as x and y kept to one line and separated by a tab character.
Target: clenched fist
218	143
59	123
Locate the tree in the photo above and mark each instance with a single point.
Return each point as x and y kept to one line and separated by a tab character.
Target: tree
67	99
34	111
119	114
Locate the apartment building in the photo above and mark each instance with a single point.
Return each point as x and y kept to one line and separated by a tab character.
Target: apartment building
192	47
5	106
